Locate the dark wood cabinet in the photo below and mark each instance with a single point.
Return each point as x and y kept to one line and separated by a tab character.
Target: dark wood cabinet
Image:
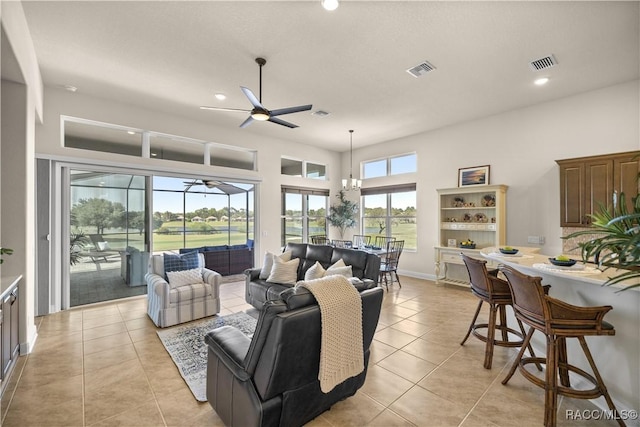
588	182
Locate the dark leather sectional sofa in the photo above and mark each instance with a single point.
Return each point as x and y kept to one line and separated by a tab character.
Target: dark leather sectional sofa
365	266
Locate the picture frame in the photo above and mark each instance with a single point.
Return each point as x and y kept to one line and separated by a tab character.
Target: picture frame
473	176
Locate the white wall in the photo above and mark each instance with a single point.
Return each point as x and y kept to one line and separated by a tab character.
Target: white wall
521	147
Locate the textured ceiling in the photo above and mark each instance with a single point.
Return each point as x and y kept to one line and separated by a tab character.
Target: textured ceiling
173	57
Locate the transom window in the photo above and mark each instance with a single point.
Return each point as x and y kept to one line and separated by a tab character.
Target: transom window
396	165
302	168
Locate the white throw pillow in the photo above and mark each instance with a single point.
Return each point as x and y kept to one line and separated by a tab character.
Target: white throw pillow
104	246
316	271
284	272
184	277
340	271
267	265
338	263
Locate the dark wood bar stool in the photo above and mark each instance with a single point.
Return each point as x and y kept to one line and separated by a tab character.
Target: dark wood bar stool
558	321
495	292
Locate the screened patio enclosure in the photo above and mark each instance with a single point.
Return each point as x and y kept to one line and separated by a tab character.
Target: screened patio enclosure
112	231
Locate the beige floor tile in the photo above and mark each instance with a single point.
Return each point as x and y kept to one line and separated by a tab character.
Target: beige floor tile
379	350
180	405
101	312
411	327
407	366
134	314
389	418
103	331
394	337
148	415
109	357
101	321
143	334
384	386
140	323
430	351
357	410
424	408
105	343
475	421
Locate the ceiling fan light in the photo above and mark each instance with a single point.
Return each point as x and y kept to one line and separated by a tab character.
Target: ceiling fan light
260	115
330	4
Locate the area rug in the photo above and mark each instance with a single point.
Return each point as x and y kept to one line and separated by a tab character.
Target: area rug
188	350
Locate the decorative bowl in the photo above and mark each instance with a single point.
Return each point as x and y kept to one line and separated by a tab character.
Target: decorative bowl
512	251
568	263
472	246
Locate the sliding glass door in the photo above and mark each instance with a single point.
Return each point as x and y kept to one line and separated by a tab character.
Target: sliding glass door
108	237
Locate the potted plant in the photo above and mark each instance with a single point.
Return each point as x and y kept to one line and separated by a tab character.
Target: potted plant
344	214
5	251
77	242
617	240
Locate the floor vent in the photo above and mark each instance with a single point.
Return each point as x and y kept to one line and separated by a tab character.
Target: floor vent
421	69
543	63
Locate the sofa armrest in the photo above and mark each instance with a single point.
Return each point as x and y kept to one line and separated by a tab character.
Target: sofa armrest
211	277
252	273
368	284
156	284
230	346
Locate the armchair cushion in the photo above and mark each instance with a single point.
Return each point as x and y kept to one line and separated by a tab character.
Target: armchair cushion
184	277
186	261
190	292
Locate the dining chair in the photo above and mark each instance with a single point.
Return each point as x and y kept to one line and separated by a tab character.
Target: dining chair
320	240
361	240
494	291
557	320
389	262
381	241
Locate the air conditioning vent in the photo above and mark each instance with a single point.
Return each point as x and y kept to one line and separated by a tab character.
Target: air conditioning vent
542	63
421	69
320	113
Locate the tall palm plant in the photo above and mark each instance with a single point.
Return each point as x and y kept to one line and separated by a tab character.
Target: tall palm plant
617	241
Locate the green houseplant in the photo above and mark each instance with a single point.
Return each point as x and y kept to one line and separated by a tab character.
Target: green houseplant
617	240
344	214
5	251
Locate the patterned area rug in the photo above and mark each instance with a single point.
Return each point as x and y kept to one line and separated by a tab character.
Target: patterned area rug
188	350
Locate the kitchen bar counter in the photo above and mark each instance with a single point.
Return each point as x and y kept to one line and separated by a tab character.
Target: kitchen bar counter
617	357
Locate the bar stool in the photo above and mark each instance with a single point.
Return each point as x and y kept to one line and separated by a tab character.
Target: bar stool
558	321
495	292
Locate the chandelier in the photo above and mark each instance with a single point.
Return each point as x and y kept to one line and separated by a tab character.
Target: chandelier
351	183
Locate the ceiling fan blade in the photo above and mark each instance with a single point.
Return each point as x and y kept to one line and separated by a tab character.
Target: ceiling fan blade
290	110
252	98
247	122
282	122
204	107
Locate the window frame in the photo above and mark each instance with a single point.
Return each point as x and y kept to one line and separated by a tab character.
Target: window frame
388	161
305	217
389	191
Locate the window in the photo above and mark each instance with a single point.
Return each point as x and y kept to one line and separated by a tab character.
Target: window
304	214
391	211
109	138
190	213
390	166
300	168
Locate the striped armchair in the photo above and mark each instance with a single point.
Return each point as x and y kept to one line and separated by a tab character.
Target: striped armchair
170	306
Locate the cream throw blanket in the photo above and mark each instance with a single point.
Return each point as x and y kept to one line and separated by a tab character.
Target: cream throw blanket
341	353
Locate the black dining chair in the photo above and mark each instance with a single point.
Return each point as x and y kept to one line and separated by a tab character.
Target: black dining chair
389	262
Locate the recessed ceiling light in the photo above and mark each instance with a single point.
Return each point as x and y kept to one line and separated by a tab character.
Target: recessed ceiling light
541	81
70	88
153	154
130	132
221	96
330	4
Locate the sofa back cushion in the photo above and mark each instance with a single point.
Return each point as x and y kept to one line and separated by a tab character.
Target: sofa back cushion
356	259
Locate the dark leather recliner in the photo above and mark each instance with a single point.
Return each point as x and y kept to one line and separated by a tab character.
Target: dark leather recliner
365	266
272	379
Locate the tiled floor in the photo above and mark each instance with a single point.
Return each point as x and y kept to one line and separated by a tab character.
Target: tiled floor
105	366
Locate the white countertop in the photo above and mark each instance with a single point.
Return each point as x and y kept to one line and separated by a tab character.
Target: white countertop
537	264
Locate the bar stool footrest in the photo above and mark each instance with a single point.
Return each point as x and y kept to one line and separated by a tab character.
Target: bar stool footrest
502	343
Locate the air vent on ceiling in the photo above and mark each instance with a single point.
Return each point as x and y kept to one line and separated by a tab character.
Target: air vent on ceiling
542	63
421	69
320	113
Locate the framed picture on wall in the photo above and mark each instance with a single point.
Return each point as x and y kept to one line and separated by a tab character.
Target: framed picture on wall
477	175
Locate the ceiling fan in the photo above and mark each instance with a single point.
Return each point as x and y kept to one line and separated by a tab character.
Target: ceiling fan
209	183
259	112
